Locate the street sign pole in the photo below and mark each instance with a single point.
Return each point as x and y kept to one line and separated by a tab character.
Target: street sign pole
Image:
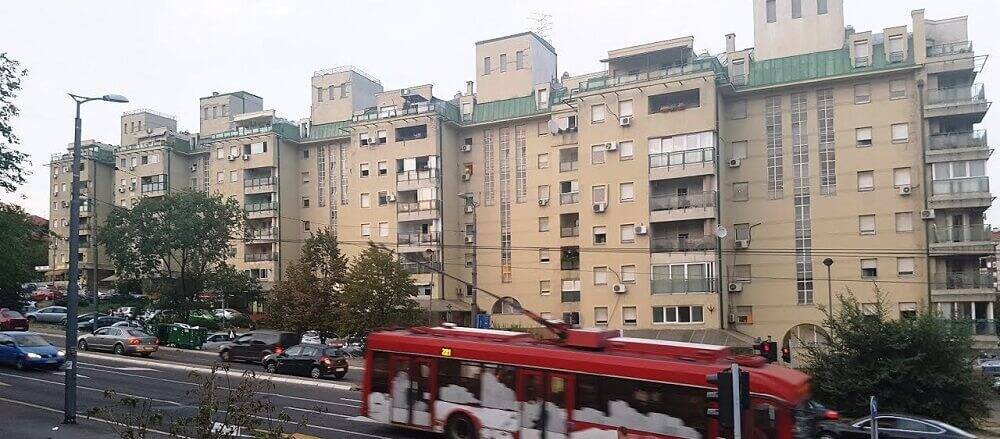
737	410
873	407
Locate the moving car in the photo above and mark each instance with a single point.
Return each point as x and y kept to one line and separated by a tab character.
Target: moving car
255	345
40	295
226	313
892	426
315	360
12	321
28	349
121	341
49	314
98	323
217	340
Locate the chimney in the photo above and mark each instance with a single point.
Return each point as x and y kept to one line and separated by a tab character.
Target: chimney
468	87
730	43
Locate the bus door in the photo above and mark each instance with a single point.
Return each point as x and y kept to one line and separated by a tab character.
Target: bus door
411	390
545	400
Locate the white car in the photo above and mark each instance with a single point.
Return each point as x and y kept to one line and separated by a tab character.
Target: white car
104	295
226	313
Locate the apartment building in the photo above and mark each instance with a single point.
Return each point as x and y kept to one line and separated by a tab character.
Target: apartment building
672	194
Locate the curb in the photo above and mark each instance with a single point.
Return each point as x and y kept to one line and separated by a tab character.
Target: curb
232	373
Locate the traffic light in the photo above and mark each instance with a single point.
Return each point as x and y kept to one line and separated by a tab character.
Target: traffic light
769	350
723	397
786	354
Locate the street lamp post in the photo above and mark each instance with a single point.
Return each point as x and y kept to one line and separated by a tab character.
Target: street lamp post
474	306
73	289
829	287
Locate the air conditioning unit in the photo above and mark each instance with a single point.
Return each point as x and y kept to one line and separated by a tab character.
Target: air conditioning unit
231	157
927	214
625	121
469	239
390	198
466	176
619	288
121	190
466	147
641	229
735	163
611	146
735	287
194	168
65	204
600	207
543	201
742	244
469	208
904	189
246	156
131	188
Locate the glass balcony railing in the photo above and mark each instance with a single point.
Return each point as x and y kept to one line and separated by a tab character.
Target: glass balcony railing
569	166
696	65
970	139
663	244
965	185
975	233
959	281
417	175
682	158
256	182
260	207
569	232
675	286
739	79
569	264
153	187
674	202
422	267
963	94
417	238
417	206
569	296
949	48
569	198
260	257
262	233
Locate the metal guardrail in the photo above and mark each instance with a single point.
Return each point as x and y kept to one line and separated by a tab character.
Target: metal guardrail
255	182
661	244
569	296
979	326
418	238
416	206
969	139
693	66
957	95
262	233
949	48
260	257
675	202
260	207
961	185
682	158
674	286
567	232
958	281
976	233
569	198
417	175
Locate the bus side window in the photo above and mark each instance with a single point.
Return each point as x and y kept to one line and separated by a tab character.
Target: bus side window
380	372
458	381
591	403
765	424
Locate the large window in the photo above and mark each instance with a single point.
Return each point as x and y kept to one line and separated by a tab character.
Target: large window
464	382
598	396
678	314
682	150
696	277
827	156
775	153
771	10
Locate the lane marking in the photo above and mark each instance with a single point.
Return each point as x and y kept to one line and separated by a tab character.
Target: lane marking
317	412
351	400
320	427
62	373
53	410
3	384
166	380
92	389
137	369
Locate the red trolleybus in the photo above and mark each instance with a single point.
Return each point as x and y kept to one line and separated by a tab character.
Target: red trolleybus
589	384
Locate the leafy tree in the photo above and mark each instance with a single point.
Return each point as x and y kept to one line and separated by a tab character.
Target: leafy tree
175	244
234	288
307	298
11	160
920	365
379	293
22	246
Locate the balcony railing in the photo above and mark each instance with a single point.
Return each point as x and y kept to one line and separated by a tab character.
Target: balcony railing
682	158
260	207
569	264
739	79
416	206
697	65
979	326
674	286
674	202
569	197
970	139
422	268
896	57
568	232
976	233
949	48
569	296
417	238
262	233
861	61
153	187
959	281
254	182
963	94
260	257
569	166
961	185
417	175
663	244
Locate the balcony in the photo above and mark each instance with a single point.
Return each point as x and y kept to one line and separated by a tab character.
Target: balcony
960	100
569	232
569	197
966	240
569	166
258	185
416	179
603	82
961	193
682	286
260	257
261	210
569	296
738	79
679	164
948	282
947	141
949	49
671	244
979	327
417	210
422	267
261	234
417	238
672	207
153	189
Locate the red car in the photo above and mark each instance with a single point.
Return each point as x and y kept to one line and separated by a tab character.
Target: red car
40	295
12	321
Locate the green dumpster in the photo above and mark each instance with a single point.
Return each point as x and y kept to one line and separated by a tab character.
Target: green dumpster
185	337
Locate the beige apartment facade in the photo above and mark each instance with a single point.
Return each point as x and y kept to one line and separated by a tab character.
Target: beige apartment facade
673	194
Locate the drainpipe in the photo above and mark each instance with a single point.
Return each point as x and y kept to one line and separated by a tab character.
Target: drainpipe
277	190
723	312
440	209
923	161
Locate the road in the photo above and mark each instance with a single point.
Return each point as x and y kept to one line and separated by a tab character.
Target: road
33	400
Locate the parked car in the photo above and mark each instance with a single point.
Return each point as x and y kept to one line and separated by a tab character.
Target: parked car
891	426
128	324
315	360
11	320
121	341
217	340
83	317
28	349
255	345
226	313
40	295
105	295
312	337
49	314
98	323
126	311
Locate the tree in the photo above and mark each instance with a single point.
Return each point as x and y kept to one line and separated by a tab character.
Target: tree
174	243
920	365
379	293
232	288
307	298
11	160
23	246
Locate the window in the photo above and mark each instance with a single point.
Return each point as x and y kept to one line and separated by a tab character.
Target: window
543	102
597	113
896	48
741	273
901	177
600	234
411	133
741	191
629	316
305	177
503	62
866	181
900	132
319	94
543	224
255	148
601	315
543	255
904	222
625	108
897	89
674	101
545	287
862	93
220	177
869	268
487	65
366	229
519	59
383	198
365	170
866	224
571	318
305	153
628	273
679	314
739	150
543	161
907	310
382	136
772	12
305	225
219	154
626	150
366	199
738	109
383	229
904	266
144	160
233	176
796	8
626	192
627	232
821	7
305	201
543	192
598	154
599	194
383	168
600	275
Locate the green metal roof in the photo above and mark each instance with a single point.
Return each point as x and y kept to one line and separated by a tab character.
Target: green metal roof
816	65
505	109
329	130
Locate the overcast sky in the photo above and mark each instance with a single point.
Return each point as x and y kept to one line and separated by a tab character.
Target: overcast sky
165	55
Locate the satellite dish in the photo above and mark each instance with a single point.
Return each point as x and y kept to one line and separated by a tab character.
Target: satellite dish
553	127
720	231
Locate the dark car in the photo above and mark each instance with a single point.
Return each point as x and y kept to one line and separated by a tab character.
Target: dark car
101	321
12	321
28	349
315	360
255	345
891	426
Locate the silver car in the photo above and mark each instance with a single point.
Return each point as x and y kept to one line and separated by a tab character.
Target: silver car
119	340
216	340
49	314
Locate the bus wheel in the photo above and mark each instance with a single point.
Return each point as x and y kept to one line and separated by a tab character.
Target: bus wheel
460	427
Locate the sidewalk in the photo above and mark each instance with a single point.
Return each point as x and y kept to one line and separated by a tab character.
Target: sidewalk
39	422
